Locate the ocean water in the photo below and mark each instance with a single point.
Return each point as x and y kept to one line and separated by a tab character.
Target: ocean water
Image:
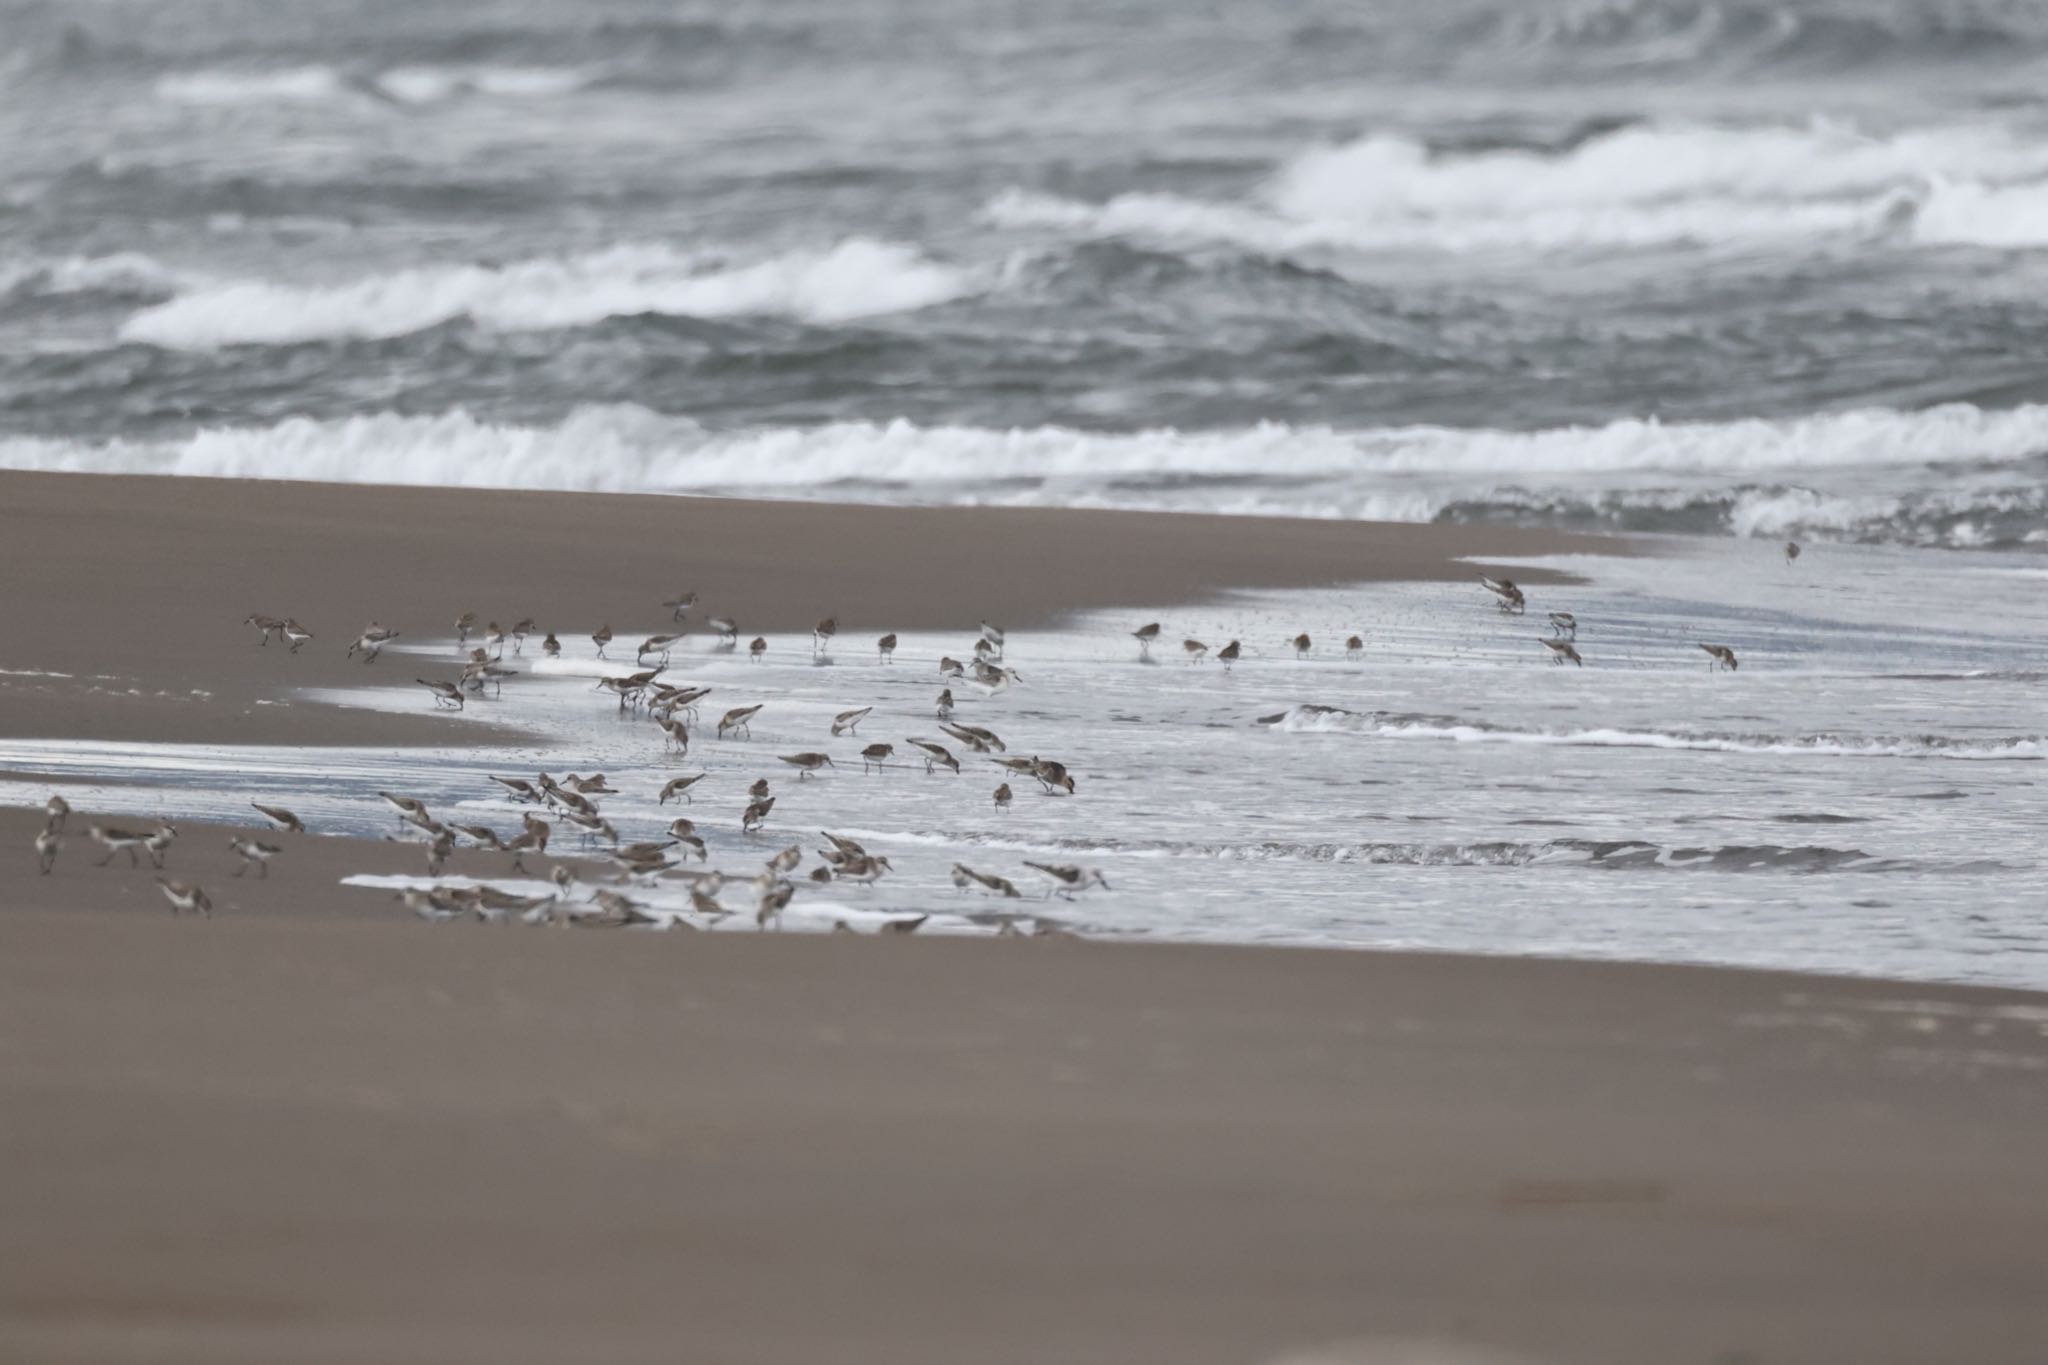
1863	795
1734	267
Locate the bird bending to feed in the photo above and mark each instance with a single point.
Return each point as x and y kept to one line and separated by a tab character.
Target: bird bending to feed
1003	797
680	786
266	624
371	642
251	851
737	718
902	926
808	763
965	876
185	898
657	644
1508	597
281	817
1564	625
601	637
876	756
1228	655
866	868
678	734
936	755
1145	635
1562	651
1067	878
822	633
886	648
1194	649
848	722
445	694
1720	656
756	815
158	841
297	634
1052	775
1301	645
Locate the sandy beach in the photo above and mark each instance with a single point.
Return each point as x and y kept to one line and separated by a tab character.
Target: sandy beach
313	1129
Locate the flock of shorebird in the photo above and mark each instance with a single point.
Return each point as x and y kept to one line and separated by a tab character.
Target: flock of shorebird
673	708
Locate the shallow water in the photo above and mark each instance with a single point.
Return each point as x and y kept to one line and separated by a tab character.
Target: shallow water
1863	795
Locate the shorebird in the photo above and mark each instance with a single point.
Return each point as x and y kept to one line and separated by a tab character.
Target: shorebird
438	851
564	878
1791	550
772	902
1145	635
371	642
964	876
784	863
601	637
677	732
759	789
280	817
1720	656
115	840
867	868
185	898
679	605
680	786
886	647
445	694
56	811
1194	649
494	639
876	755
945	704
296	633
47	846
434	906
993	636
1564	625
993	678
551	646
822	633
1053	776
520	788
902	926
842	846
690	843
657	644
737	718
1353	647
950	667
266	624
1003	797
682	828
822	874
976	738
1068	879
1301	645
848	722
1562	650
158	841
757	648
807	763
1228	655
464	624
984	650
251	851
936	755
756	815
483	836
592	825
1508	596
593	785
726	627
406	805
520	631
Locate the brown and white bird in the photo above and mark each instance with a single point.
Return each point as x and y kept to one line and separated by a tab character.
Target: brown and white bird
785	862
724	627
483	836
1301	645
520	788
757	648
1353	647
737	718
1507	596
1053	776
965	876
902	926
677	734
944	708
266	624
994	637
445	694
976	737
48	845
936	755
1720	656
520	631
1562	651
1228	654
807	763
680	786
756	815
253	851
822	633
1003	797
56	811
601	637
1195	650
866	868
848	722
158	841
1145	635
1564	625
295	634
185	898
951	667
406	805
679	605
876	756
1068	879
371	642
886	647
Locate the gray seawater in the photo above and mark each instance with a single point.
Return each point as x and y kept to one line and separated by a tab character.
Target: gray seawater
1678	265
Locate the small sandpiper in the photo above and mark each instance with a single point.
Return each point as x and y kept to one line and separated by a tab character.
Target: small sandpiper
371	642
494	639
785	862
659	645
771	903
950	667
737	718
886	648
1507	596
1068	879
902	926
56	811
592	825
808	763
551	646
406	805
1562	651
297	634
115	840
483	836
978	733
865	868
945	704
724	627
1003	797
520	788
936	755
757	647
679	605
1564	625
1791	550
464	624
1720	656
965	876
267	624
1354	647
1195	650
758	789
593	785
159	840
682	828
1145	635
680	786
185	898
677	732
1228	655
445	694
822	633
280	817
601	637
994	636
756	815
876	756
47	846
1302	645
439	850
520	630
253	851
848	722
1053	776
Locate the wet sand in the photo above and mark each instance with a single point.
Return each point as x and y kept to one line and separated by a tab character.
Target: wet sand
137	587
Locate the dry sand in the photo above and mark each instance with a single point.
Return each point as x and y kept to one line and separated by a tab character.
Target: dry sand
314	1130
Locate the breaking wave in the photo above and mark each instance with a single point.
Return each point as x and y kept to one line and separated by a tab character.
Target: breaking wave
321	84
858	278
126	274
1315	719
